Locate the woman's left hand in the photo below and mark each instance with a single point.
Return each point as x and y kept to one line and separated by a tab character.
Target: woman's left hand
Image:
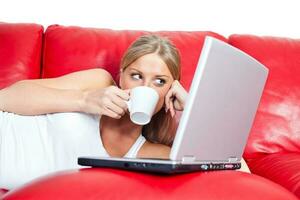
175	98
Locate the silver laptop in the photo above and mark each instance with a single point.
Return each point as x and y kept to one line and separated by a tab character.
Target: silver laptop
219	112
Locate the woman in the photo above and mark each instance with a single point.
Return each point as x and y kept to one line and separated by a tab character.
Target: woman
35	142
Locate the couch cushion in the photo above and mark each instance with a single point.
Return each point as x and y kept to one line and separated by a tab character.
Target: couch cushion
20	52
97	183
69	49
282	168
277	124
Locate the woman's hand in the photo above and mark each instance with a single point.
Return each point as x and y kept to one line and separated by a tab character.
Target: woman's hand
108	101
175	98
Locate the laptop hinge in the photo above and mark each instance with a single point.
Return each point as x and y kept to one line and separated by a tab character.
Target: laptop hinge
232	159
188	159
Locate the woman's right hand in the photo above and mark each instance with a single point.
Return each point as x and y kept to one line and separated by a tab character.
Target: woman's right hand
109	101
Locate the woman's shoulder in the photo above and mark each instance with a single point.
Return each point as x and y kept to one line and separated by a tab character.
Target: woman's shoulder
96	78
96	73
154	150
91	78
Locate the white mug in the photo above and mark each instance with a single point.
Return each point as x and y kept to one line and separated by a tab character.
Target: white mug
142	104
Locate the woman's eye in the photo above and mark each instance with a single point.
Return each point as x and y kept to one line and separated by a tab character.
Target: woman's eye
160	82
136	76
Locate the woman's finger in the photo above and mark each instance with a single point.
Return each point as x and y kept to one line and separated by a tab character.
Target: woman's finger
124	94
115	108
172	110
167	98
119	102
110	113
127	91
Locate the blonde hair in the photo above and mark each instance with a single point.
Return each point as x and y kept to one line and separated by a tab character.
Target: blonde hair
162	127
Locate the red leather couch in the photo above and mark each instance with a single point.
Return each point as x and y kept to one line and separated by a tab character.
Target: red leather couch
272	151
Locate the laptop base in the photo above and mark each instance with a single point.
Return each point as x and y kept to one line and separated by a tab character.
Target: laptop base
152	167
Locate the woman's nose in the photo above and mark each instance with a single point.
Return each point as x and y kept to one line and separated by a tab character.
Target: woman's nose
147	83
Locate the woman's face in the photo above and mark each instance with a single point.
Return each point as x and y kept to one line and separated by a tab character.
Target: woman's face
148	70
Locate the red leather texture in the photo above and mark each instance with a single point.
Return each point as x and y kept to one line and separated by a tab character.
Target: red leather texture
20	52
277	125
282	168
69	49
116	184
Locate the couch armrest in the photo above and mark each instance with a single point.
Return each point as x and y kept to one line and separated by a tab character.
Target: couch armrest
282	168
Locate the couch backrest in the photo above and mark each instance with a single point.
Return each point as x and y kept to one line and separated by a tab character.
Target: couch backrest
20	52
277	124
68	49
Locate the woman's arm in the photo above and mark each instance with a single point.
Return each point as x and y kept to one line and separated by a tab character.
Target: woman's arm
62	94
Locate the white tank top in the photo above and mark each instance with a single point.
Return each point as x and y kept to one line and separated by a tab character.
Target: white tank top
32	146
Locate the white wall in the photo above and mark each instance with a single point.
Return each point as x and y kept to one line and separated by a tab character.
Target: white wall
260	17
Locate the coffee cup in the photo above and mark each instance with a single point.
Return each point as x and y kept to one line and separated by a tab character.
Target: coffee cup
142	104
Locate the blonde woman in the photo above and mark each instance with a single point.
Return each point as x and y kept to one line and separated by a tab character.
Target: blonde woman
45	124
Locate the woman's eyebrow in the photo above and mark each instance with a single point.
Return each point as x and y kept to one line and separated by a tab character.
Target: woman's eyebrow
162	76
135	69
155	76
